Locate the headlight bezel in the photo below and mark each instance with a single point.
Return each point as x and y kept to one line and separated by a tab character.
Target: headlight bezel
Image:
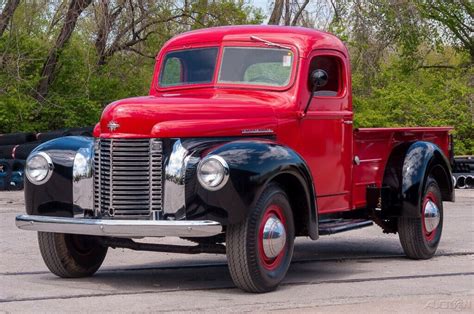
49	168
224	168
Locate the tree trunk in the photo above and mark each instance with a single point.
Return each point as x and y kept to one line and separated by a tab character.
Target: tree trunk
105	18
287	12
202	16
299	12
7	14
48	72
277	12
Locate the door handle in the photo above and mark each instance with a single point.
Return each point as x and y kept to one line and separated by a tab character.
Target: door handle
347	121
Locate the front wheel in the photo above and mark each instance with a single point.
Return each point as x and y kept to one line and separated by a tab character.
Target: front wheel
259	249
420	236
70	255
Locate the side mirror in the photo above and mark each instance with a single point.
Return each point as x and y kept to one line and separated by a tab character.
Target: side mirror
319	78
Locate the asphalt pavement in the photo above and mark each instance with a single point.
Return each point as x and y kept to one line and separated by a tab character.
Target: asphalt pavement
357	271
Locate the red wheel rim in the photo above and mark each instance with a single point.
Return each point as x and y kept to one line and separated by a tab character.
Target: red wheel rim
429	235
274	262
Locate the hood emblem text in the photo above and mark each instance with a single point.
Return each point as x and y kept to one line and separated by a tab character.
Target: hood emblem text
257	131
112	125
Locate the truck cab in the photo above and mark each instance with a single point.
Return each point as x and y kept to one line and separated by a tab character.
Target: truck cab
244	142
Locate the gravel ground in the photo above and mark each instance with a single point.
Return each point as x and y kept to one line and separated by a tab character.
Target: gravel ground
358	271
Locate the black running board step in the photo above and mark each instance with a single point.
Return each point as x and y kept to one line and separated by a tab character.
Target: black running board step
332	226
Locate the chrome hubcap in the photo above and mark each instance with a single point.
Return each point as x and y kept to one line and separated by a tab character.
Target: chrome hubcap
431	216
274	237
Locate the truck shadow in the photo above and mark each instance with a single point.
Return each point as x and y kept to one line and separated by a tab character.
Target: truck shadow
314	262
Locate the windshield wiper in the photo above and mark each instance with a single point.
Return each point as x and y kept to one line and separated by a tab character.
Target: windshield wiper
268	43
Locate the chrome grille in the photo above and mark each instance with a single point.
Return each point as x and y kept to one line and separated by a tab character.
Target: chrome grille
128	178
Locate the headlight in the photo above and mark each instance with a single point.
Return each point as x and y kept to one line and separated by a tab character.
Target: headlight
213	172
82	167
39	168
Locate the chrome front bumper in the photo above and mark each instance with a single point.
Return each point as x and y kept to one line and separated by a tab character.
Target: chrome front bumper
120	228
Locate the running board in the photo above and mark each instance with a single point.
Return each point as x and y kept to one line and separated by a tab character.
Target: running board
332	226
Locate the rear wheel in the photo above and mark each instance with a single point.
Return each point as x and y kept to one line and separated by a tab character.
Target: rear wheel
70	255
420	236
259	249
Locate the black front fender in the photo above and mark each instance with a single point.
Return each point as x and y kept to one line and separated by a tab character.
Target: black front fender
253	164
55	197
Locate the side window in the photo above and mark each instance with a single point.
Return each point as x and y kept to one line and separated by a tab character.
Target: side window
172	73
333	67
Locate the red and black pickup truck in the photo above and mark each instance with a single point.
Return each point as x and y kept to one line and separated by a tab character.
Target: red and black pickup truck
244	142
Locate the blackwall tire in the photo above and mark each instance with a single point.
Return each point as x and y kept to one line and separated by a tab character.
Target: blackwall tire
71	256
47	136
16	138
5	165
83	131
6	151
23	151
418	242
250	266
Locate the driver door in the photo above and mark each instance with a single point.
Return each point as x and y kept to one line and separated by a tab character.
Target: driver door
326	131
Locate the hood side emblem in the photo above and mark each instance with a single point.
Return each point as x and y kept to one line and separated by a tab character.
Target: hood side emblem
257	131
112	125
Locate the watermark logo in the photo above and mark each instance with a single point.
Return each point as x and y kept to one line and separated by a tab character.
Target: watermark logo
454	304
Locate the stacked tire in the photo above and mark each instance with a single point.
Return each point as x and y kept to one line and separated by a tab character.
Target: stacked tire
15	148
12	168
463	172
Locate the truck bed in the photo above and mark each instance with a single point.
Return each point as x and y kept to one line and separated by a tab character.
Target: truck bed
373	147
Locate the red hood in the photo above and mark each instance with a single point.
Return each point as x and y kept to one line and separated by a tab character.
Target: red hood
187	114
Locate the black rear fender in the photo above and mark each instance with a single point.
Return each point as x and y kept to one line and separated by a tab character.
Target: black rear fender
406	172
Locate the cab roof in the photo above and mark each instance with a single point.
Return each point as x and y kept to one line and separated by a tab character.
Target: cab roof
305	39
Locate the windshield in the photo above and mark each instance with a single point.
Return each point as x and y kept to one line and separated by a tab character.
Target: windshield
191	66
240	65
256	66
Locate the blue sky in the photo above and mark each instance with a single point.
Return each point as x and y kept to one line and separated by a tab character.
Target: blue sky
263	4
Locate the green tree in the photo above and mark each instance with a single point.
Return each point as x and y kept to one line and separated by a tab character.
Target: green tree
108	55
456	17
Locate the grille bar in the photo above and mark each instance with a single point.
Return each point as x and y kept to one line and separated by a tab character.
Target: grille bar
128	178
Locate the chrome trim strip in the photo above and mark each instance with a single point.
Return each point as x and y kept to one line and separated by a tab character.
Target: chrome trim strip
174	179
150	189
120	228
83	183
98	199
111	210
156	178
